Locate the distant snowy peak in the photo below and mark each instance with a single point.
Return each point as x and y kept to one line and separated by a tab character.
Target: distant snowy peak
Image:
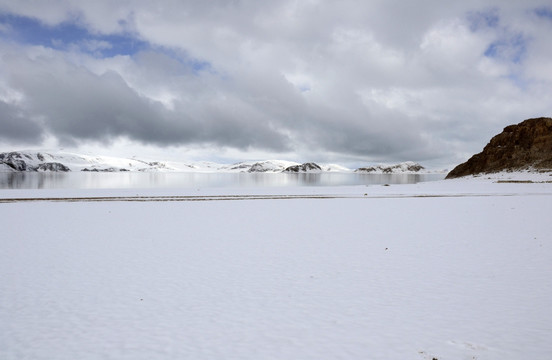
22	161
270	166
267	166
277	166
402	168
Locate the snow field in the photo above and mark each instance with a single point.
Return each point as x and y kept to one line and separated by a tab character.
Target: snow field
461	277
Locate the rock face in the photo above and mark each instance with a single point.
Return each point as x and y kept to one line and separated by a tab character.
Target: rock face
406	167
15	161
53	166
306	167
522	146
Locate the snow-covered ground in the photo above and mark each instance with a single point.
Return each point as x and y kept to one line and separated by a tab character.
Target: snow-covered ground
456	269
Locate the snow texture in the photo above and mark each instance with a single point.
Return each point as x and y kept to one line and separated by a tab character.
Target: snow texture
454	269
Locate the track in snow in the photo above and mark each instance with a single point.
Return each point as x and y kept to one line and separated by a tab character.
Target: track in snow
244	197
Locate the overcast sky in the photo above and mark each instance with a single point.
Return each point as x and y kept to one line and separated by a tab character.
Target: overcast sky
352	82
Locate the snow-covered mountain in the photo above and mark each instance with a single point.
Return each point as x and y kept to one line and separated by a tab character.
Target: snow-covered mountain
60	161
267	166
55	161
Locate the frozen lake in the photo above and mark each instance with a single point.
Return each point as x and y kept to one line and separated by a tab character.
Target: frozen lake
86	180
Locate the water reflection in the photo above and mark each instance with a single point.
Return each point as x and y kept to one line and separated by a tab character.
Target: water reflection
87	180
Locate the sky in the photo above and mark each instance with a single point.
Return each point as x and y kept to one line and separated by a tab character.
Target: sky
350	82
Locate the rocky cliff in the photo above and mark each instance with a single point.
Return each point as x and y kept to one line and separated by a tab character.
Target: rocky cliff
523	146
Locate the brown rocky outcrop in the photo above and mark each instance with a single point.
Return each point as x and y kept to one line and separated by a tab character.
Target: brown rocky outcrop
522	146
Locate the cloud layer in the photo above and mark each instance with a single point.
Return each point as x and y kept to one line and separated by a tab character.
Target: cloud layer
325	80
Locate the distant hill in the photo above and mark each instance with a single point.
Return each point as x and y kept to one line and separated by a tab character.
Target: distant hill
525	146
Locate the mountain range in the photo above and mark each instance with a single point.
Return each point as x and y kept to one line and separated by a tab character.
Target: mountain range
48	161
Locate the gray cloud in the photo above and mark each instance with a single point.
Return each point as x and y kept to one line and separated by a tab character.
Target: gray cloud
16	127
77	105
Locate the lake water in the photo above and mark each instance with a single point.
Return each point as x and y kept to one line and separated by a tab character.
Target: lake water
86	180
